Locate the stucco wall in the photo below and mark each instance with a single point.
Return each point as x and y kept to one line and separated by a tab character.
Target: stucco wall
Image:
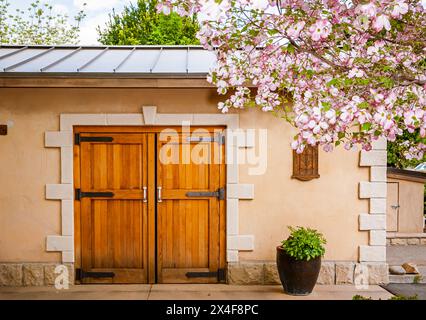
329	203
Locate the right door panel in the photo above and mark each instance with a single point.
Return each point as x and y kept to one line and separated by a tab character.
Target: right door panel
189	226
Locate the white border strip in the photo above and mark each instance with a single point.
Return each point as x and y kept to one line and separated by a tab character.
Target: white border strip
65	191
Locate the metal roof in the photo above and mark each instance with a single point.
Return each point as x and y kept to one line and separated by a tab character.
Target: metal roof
187	61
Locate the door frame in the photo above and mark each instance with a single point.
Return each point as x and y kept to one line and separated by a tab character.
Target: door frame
61	139
152	235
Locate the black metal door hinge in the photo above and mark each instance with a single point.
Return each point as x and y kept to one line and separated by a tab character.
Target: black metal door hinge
81	274
220	274
78	139
219	138
80	194
220	194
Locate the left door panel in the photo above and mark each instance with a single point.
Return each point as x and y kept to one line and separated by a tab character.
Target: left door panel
113	208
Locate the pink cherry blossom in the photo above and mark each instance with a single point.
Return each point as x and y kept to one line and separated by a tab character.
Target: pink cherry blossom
355	72
294	30
399	9
349	76
320	30
368	9
382	21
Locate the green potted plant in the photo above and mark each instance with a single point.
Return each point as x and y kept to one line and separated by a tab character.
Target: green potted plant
299	260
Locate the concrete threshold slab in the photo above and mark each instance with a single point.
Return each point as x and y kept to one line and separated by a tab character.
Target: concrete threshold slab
186	292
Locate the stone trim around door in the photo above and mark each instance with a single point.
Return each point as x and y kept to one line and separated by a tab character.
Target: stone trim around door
63	139
375	190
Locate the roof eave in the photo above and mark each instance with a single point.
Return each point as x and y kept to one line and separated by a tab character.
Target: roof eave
106	75
410	175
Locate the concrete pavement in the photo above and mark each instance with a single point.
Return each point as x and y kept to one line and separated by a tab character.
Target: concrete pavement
408	290
186	292
397	255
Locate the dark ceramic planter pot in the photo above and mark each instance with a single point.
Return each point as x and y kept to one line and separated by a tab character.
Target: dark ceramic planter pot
298	277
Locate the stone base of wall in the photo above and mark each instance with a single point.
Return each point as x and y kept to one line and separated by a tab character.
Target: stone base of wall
332	272
31	274
405	239
241	273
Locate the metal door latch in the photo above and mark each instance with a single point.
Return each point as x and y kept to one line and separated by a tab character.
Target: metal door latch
220	194
81	274
78	139
220	274
80	194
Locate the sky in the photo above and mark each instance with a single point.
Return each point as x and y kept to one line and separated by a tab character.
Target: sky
96	10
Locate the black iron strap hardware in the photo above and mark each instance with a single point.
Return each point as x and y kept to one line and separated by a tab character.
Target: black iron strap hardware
220	138
81	274
220	194
220	274
78	138
80	194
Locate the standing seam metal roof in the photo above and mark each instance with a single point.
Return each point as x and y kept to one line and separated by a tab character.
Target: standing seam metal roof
121	60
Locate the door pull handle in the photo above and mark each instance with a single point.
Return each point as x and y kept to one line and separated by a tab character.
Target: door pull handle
145	194
159	195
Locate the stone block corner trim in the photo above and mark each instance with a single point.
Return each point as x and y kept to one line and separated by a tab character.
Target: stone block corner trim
59	243
240	242
372	253
374	190
369	190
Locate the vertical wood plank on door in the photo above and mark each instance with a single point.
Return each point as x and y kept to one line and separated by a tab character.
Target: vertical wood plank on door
214	213
77	209
222	209
85	206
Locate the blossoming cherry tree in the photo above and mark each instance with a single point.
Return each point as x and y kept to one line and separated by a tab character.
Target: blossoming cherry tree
342	72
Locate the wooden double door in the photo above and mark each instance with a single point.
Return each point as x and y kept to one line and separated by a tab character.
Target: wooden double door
149	205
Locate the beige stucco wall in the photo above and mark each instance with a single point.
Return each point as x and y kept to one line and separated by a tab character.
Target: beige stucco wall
329	203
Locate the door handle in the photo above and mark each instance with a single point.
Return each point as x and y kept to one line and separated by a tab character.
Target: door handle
144	194
395	206
159	195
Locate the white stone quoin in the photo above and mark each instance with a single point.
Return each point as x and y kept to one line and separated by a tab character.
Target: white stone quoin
372	222
375	191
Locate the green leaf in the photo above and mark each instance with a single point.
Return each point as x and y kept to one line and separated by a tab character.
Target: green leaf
326	105
366	126
304	243
363	105
272	32
333	82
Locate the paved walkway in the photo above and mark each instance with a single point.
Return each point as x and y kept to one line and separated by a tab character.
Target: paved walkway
397	255
408	290
186	291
